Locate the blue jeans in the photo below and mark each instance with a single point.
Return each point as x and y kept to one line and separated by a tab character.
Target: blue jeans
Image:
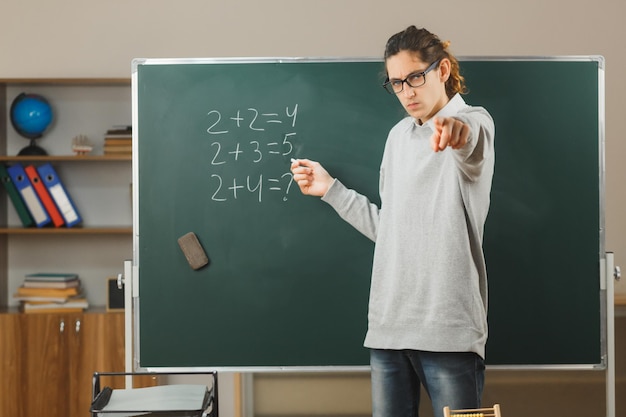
452	379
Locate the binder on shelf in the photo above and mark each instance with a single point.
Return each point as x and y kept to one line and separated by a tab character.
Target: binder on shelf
16	199
60	196
44	196
29	195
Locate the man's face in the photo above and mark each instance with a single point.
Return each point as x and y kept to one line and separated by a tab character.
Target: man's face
425	101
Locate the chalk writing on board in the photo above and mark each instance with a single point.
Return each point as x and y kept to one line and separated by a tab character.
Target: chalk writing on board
256	148
246	139
253	118
225	191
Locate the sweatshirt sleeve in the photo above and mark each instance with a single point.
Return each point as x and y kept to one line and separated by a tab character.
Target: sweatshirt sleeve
354	208
480	145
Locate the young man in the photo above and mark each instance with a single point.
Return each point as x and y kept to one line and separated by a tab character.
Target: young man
427	320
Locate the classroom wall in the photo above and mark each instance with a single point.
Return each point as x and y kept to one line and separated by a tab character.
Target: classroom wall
78	38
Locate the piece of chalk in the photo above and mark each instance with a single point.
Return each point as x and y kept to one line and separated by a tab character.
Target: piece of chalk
293	160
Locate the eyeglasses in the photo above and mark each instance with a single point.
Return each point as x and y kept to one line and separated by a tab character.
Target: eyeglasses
416	79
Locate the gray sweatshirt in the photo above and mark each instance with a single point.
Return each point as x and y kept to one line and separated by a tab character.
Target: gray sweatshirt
429	281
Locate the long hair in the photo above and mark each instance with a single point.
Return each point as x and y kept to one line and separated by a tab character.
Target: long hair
429	49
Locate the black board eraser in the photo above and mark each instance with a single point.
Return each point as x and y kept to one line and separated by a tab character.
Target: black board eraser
193	251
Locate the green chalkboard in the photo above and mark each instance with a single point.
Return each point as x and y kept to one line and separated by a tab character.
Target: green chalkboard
287	284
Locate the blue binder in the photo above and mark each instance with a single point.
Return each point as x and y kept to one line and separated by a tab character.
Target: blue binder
28	194
14	195
60	196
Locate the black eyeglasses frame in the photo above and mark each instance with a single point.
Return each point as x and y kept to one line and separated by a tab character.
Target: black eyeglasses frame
389	88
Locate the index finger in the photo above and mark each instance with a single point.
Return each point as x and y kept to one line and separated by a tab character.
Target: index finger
447	129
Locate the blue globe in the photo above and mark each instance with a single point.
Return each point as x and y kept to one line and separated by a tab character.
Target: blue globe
31	115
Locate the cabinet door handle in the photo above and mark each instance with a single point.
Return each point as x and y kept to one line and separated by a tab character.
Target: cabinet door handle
62	326
77	326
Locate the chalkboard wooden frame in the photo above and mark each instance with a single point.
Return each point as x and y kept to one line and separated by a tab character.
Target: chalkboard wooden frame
176	327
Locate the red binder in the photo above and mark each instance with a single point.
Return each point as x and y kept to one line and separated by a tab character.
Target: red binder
44	196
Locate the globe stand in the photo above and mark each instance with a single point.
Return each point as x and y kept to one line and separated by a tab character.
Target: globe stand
32	150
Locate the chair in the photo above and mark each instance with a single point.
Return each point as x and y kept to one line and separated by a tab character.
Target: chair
473	412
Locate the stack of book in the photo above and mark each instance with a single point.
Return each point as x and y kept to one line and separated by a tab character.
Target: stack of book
51	292
38	195
118	141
